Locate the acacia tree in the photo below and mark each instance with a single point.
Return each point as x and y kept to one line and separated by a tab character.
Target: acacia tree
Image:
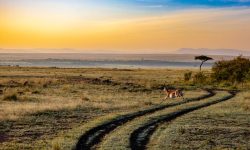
203	59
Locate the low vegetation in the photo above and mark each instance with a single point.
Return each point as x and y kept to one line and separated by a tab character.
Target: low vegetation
35	100
234	71
225	74
187	76
119	139
222	126
10	96
45	107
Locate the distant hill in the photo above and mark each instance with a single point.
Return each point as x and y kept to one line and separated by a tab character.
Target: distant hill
205	51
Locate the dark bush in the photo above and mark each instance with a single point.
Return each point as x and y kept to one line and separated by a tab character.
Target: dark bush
10	96
200	78
248	76
187	76
235	71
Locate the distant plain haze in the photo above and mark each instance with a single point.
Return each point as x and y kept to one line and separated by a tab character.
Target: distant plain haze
79	60
116	26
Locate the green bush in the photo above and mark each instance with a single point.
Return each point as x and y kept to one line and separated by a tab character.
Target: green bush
235	71
187	76
200	78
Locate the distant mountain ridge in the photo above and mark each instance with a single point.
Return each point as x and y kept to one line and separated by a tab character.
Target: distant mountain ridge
206	51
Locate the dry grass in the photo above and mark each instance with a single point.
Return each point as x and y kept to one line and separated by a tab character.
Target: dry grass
222	126
68	140
55	102
10	96
119	139
30	90
52	102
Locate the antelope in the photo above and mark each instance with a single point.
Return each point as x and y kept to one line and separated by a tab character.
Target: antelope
172	93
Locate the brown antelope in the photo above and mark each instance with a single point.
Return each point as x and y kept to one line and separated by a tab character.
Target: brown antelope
172	93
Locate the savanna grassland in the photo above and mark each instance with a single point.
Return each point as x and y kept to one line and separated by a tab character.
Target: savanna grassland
51	108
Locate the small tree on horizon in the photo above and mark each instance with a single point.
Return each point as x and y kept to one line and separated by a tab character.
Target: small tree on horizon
203	59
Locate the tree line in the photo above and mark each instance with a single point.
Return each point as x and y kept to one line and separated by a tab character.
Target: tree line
232	72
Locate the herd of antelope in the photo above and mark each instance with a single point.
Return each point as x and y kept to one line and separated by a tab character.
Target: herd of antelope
173	93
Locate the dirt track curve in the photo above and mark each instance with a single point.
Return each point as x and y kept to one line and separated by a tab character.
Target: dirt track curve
140	137
95	135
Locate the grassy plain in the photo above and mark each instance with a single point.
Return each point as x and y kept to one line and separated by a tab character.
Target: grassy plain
52	107
222	126
119	139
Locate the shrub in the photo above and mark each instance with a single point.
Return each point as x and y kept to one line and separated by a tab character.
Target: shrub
225	84
11	96
56	146
235	71
148	103
200	78
182	130
187	76
36	92
84	98
26	83
248	76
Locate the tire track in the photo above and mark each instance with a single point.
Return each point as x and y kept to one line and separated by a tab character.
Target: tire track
95	135
140	137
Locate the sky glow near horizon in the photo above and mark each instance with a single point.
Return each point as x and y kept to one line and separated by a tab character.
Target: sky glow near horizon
124	25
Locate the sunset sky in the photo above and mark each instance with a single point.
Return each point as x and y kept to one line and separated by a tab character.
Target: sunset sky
136	26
